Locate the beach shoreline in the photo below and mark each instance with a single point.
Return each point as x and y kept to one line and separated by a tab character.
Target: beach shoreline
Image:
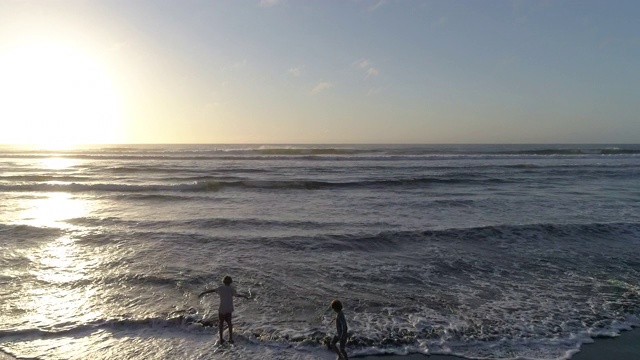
626	346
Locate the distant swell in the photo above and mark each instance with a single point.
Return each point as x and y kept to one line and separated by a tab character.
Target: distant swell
249	184
577	152
43	178
576	235
210	223
320	152
309	151
13	231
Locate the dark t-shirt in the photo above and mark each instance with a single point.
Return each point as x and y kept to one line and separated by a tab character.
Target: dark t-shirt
341	325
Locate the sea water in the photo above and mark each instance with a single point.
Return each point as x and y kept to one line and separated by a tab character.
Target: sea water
497	251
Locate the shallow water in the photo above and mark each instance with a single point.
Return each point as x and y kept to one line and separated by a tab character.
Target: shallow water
485	251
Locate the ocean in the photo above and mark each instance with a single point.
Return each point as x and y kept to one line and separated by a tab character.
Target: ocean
482	251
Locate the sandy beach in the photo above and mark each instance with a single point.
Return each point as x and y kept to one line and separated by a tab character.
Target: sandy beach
4	356
624	347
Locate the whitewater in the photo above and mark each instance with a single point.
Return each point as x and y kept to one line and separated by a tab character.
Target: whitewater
481	251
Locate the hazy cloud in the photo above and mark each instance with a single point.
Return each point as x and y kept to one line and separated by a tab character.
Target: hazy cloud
296	71
377	5
322	86
362	63
366	66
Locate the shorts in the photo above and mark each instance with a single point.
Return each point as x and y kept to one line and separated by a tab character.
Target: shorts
225	317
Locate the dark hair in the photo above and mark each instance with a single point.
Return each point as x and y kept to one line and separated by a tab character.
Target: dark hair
336	305
227	280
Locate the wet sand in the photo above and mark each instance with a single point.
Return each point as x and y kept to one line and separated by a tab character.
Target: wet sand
624	347
5	356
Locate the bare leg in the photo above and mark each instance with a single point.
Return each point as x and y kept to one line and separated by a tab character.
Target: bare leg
334	347
343	352
221	327
340	357
228	318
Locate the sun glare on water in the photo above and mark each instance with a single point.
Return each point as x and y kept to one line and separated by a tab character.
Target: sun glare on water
55	96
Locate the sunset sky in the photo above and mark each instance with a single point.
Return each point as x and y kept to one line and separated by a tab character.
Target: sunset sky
312	71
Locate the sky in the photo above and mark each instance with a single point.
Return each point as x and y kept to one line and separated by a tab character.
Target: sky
319	71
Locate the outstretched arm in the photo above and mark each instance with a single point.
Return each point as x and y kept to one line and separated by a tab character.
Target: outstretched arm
207	292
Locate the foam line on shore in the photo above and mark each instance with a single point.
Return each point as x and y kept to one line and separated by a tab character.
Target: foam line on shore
626	346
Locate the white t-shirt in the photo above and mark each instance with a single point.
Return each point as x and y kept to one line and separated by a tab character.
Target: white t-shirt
226	292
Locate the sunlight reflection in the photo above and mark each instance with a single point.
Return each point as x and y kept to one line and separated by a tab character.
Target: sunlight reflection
61	267
53	209
60	254
62	299
57	163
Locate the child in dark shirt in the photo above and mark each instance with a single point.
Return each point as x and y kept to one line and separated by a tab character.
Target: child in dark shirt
341	327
